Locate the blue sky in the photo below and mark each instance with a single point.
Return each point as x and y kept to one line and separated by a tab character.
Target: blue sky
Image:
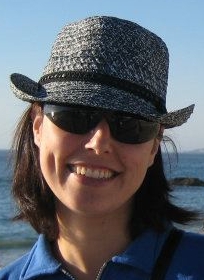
28	29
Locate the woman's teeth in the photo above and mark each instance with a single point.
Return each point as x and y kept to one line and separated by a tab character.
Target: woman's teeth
93	173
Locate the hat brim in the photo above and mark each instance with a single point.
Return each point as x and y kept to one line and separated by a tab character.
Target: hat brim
95	95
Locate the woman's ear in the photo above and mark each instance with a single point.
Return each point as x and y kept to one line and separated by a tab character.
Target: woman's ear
155	146
37	118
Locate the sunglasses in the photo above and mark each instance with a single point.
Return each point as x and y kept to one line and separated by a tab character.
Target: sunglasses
124	128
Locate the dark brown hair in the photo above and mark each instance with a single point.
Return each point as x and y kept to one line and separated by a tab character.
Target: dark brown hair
152	207
34	198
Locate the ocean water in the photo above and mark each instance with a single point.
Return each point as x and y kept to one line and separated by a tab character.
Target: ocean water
16	238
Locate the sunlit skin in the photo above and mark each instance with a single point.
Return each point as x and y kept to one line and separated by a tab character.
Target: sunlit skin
96	201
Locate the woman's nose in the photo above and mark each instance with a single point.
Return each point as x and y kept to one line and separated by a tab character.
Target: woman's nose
100	139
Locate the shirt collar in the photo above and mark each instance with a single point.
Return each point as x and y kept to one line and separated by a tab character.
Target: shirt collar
143	251
40	260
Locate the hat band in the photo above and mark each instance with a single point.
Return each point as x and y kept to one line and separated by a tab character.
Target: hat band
112	81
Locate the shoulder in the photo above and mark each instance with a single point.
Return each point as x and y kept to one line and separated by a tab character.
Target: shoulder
39	261
193	242
13	271
188	258
191	250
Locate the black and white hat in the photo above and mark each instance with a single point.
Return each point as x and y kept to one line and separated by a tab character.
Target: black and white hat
109	63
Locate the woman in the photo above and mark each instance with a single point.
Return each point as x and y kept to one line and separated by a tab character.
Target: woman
88	172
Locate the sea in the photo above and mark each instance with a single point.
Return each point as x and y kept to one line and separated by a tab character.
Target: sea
16	238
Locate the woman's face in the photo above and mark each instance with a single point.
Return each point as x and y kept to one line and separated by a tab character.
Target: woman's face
91	174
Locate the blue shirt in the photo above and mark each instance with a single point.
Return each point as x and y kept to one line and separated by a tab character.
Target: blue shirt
136	262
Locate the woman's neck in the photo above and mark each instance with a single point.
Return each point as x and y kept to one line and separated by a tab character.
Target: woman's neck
86	243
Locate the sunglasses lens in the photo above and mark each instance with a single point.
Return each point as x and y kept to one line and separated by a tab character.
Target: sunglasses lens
125	129
130	130
74	120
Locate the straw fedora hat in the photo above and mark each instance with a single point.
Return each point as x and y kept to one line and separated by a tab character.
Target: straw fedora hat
109	63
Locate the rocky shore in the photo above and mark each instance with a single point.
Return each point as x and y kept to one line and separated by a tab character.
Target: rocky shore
186	181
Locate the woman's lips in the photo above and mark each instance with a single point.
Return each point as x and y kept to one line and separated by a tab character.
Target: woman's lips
91	172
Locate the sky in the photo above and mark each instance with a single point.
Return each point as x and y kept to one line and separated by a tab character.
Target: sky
28	29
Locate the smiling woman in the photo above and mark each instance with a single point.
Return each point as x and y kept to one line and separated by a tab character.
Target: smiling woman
88	170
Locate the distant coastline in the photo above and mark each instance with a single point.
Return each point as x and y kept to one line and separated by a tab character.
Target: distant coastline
196	151
186	181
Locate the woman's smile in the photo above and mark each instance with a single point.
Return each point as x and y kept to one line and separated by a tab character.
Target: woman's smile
92	172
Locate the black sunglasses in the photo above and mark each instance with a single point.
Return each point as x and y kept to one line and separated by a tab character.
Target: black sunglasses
123	127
